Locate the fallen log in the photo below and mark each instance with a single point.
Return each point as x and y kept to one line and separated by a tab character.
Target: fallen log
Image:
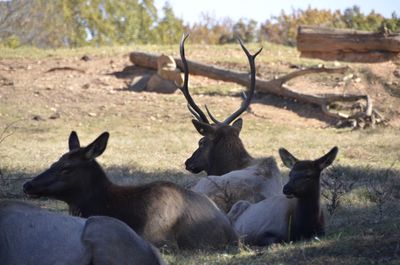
148	60
347	44
364	116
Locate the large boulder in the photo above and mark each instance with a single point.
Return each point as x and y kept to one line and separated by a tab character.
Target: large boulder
160	85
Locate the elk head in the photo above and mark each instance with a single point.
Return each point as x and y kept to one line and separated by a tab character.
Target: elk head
220	149
304	176
72	173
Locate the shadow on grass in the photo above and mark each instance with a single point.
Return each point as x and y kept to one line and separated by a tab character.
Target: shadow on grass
303	110
358	240
11	182
132	71
354	233
351	250
361	176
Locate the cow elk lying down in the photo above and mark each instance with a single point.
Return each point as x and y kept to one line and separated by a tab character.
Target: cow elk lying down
30	235
293	216
161	212
254	183
232	173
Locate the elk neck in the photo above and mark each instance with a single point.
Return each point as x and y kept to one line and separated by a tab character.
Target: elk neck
307	216
229	157
91	197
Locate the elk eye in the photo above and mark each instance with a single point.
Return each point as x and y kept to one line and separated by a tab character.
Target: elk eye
66	170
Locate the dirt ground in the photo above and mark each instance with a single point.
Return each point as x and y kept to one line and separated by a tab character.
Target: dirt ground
65	86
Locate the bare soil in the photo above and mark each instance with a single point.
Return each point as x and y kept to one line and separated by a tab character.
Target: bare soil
65	86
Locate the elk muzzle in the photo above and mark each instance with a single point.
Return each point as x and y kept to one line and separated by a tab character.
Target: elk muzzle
43	184
192	167
288	191
29	189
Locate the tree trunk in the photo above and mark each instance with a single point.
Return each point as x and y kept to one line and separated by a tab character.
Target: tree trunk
347	45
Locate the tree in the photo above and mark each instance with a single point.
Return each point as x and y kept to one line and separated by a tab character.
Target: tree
246	30
148	18
170	28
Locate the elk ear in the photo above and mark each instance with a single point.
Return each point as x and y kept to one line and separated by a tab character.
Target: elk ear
97	147
238	124
327	159
73	141
287	158
203	128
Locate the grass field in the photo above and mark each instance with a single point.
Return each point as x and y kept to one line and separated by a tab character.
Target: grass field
151	136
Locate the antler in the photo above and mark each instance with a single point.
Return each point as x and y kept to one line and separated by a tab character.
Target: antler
193	108
247	98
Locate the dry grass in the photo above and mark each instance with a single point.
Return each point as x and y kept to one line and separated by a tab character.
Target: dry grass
151	136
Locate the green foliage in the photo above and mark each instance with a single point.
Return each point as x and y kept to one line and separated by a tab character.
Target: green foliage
76	23
246	30
282	29
11	42
170	28
211	31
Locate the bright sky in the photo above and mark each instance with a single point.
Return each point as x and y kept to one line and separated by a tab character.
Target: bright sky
260	10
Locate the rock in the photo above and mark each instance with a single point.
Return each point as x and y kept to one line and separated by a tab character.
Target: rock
37	118
85	58
92	114
396	73
5	81
160	85
166	68
347	77
166	62
336	63
139	83
175	76
55	116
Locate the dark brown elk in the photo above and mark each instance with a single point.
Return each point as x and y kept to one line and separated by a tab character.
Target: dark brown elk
232	173
161	212
220	149
292	216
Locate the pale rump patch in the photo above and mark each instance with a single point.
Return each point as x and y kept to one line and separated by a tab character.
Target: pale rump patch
257	182
264	222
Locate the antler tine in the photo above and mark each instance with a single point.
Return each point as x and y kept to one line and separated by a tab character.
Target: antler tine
200	116
194	113
248	97
212	117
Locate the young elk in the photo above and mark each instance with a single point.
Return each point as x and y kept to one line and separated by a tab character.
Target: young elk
232	173
293	216
30	235
161	212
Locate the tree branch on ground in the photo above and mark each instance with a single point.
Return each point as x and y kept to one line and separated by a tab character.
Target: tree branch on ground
360	113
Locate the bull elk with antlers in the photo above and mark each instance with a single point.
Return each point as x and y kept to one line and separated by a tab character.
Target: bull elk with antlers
233	174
